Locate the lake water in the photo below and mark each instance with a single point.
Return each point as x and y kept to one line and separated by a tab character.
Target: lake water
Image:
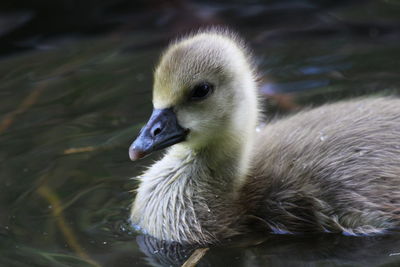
70	107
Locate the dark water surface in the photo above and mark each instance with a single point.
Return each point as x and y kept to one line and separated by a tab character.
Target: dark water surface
70	107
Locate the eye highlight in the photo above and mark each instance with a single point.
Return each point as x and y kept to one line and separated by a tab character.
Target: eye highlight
201	91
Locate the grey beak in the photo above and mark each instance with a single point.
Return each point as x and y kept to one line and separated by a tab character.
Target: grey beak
161	131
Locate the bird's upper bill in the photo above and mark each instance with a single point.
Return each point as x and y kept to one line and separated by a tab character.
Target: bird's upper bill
161	131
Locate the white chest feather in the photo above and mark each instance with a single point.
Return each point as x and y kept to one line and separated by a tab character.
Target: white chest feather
164	206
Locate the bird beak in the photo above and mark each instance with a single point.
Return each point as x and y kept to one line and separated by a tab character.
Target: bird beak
161	131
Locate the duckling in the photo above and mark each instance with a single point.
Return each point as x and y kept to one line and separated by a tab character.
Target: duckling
335	168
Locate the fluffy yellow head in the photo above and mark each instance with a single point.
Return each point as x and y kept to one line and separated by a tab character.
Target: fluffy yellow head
208	82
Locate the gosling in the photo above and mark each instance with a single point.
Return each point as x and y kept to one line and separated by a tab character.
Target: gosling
335	168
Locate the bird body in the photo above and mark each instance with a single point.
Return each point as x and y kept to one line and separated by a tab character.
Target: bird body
335	168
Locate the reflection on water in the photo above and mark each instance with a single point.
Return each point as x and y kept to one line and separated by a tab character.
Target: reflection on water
310	250
69	113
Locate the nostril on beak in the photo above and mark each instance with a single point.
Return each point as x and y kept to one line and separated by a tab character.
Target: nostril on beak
156	131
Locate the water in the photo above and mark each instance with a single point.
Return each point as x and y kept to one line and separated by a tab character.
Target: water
70	107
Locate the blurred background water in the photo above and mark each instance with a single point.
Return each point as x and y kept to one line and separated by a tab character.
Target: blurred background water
75	88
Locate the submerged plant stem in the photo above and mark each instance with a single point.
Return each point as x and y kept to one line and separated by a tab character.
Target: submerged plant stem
196	256
24	106
47	193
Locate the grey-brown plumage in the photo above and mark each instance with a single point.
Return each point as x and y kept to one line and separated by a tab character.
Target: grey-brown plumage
335	168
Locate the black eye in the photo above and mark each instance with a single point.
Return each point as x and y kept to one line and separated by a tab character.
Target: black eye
201	91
